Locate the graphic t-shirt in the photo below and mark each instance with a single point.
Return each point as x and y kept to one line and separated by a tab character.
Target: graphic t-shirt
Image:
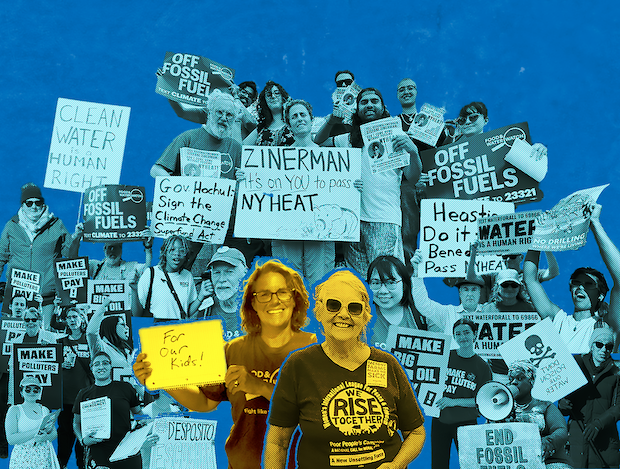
347	418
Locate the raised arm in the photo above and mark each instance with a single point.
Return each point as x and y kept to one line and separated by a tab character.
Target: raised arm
189	112
71	244
92	330
414	169
471	274
325	130
553	271
277	442
611	258
542	303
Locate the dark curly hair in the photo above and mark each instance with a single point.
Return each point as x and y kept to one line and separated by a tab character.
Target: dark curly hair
250	321
265	117
356	134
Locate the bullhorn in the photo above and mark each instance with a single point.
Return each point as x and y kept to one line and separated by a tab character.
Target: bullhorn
495	400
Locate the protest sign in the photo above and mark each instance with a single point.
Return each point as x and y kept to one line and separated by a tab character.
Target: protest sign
427	124
200	162
347	100
71	280
515	445
474	168
557	372
495	328
195	207
506	234
377	137
424	356
448	227
299	193
184	354
114	213
565	227
187	443
96	416
11	331
88	143
132	442
42	362
116	290
25	280
188	78
24	284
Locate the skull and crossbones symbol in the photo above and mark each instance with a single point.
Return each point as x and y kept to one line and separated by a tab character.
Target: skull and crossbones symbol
535	346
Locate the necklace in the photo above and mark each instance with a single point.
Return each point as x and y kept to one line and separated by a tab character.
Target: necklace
408	118
521	407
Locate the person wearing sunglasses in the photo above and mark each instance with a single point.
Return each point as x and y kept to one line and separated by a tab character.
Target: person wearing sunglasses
32	240
330	125
544	414
351	401
273	311
467	372
588	289
594	409
390	283
32	441
271	129
508	295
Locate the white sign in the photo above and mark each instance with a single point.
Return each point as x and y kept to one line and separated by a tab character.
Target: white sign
557	372
186	443
377	137
200	162
447	229
195	207
96	416
88	143
427	124
299	193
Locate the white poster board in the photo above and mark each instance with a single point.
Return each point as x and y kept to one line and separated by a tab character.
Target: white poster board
377	137
96	416
184	443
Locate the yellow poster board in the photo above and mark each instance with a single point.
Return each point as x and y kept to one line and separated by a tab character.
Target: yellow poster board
184	354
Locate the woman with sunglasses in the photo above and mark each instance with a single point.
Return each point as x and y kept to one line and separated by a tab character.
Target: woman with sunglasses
32	240
273	310
271	129
390	282
76	375
349	399
594	409
544	414
32	442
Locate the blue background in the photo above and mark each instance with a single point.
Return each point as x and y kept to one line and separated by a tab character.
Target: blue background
552	64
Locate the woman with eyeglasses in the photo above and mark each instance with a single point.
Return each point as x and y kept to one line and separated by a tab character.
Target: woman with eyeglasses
271	129
273	311
32	240
594	409
544	414
350	400
467	372
390	282
32	441
76	375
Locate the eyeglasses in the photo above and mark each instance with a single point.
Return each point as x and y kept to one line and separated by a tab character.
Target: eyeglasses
608	347
266	296
468	118
224	115
510	285
31	319
402	89
512	257
390	284
32	389
30	203
273	94
343	83
334	306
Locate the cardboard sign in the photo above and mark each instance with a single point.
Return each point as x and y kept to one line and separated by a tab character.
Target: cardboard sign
195	207
506	234
188	78
377	137
515	445
116	290
427	125
71	280
448	227
43	362
299	193
424	356
565	227
88	143
557	372
474	168
200	162
185	354
186	443
494	329
11	331
114	213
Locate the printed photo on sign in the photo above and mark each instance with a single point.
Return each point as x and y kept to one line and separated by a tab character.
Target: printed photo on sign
447	229
114	213
188	78
201	162
88	143
506	234
377	137
427	124
474	168
299	193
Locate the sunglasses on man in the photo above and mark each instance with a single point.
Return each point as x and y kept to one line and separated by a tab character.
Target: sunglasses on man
344	83
468	118
30	203
608	347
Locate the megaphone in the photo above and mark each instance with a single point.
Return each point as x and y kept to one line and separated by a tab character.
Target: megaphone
495	400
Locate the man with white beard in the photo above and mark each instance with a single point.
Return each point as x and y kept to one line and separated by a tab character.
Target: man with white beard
228	268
